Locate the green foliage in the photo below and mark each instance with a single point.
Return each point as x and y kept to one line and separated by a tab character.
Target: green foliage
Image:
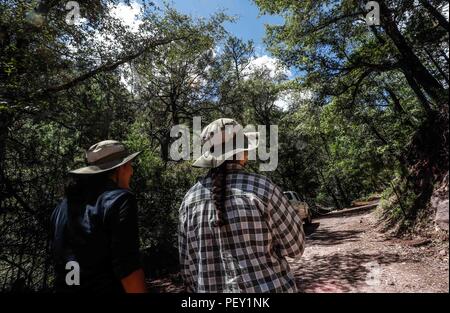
397	201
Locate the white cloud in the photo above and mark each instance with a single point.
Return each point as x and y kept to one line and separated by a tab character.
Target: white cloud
267	62
127	77
445	10
290	97
285	100
275	69
128	14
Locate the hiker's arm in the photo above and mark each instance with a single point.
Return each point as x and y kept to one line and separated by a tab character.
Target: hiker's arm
125	245
183	249
288	226
135	282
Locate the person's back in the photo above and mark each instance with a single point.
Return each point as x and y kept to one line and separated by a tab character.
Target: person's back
240	242
104	250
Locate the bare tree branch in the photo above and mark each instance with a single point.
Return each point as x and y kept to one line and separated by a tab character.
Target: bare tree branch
104	68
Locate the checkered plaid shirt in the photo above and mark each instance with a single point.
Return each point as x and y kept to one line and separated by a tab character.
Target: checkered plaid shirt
248	254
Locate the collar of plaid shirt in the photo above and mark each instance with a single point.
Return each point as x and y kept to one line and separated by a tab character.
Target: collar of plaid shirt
232	166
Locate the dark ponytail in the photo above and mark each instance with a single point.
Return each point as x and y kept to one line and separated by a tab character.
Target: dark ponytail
80	191
86	188
219	189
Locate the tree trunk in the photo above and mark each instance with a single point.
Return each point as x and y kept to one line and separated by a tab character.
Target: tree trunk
330	191
413	65
437	65
342	192
417	91
436	14
397	106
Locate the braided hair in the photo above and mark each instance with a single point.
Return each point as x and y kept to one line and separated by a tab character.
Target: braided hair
219	186
219	182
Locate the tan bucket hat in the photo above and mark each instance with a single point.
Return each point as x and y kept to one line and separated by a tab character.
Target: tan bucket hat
105	156
221	140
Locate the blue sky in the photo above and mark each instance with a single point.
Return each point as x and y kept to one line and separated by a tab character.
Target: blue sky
250	24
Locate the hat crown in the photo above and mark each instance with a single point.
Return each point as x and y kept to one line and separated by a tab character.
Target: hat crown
105	150
220	131
221	140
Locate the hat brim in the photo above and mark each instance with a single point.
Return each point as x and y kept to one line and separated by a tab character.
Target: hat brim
208	160
102	168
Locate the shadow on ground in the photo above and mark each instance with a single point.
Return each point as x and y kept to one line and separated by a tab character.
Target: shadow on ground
339	272
171	284
350	212
310	228
326	237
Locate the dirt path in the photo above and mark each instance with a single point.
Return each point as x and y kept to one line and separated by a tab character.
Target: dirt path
346	253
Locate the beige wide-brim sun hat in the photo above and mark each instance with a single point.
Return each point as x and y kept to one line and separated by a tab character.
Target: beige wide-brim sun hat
219	134
105	156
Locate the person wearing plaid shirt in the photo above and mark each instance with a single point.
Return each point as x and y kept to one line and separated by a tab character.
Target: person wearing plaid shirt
237	228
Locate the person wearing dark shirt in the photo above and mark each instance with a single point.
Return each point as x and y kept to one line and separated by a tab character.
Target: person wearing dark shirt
95	226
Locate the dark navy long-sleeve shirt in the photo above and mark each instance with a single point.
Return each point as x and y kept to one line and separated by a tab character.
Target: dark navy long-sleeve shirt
103	239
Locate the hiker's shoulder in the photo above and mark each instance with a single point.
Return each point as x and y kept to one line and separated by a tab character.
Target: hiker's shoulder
254	183
116	197
198	191
258	179
62	204
60	208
